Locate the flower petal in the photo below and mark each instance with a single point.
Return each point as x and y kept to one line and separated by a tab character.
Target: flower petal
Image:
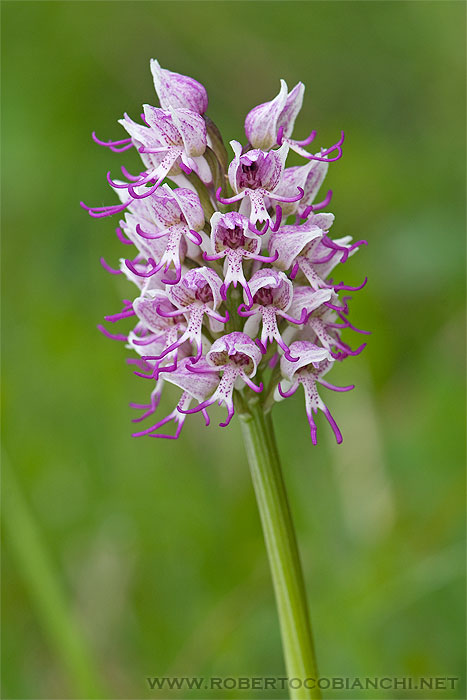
292	107
199	384
161	125
309	299
190	206
308	354
289	241
232	344
261	121
192	129
178	91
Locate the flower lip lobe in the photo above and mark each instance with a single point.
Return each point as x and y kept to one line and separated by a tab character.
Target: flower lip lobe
228	287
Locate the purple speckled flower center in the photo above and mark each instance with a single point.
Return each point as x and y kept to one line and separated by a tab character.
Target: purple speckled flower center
239	359
249	176
231	237
264	296
203	293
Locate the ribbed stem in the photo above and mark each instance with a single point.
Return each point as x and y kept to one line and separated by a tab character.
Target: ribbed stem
281	545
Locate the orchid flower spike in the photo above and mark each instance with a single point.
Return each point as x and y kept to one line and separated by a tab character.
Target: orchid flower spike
188	250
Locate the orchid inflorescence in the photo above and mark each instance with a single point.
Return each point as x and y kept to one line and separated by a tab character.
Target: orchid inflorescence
232	262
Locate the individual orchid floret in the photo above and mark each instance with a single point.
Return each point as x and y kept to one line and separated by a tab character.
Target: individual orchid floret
232	239
313	363
197	294
237	357
264	121
178	91
194	386
175	217
272	123
171	141
255	175
272	295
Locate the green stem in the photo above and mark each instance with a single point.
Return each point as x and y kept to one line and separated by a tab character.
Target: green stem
45	590
281	545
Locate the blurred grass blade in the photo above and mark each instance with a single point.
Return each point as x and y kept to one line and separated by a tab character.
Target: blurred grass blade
45	589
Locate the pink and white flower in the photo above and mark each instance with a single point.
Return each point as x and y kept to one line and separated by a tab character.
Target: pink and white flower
312	364
272	123
173	218
171	141
196	295
237	357
263	122
255	175
272	296
232	239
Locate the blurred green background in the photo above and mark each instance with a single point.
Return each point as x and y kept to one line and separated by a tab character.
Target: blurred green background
153	549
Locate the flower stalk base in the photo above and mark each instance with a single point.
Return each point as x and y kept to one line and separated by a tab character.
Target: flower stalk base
281	545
